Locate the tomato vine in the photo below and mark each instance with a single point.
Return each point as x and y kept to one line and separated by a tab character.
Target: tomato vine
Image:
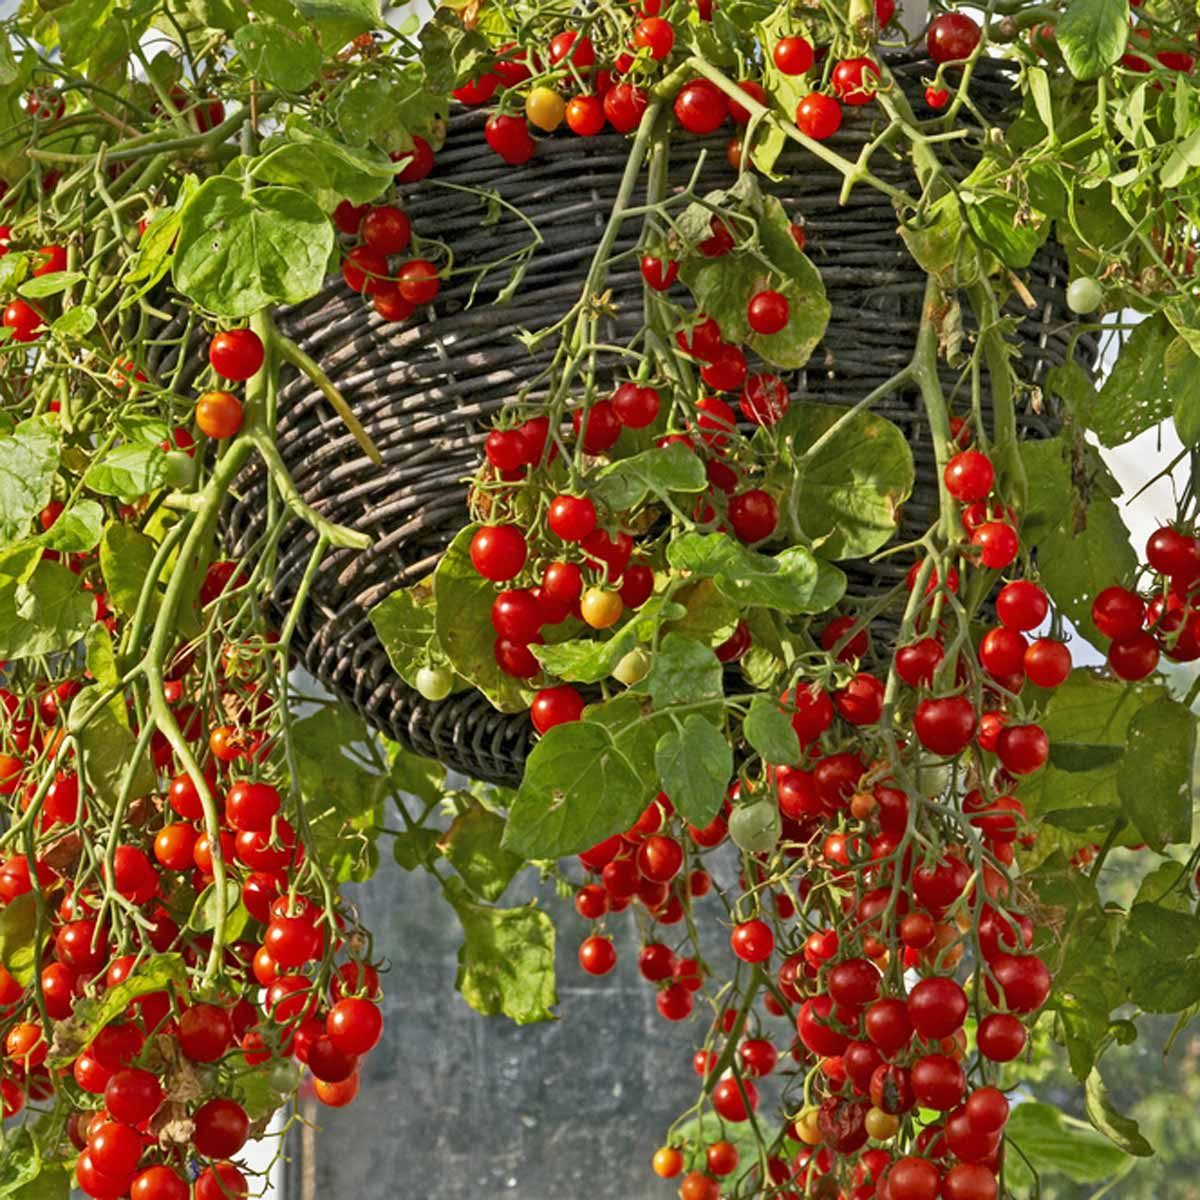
899	800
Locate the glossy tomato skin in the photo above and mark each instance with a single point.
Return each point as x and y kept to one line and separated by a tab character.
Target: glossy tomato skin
700	106
819	116
951	37
236	353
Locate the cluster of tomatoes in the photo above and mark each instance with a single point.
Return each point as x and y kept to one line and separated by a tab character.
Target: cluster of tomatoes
384	232
25	320
571	81
1164	621
876	905
155	1092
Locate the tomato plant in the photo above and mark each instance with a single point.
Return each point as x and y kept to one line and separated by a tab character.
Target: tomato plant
896	802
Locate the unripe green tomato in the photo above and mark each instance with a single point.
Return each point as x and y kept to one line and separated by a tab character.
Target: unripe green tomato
284	1077
1084	295
434	683
181	469
633	667
756	827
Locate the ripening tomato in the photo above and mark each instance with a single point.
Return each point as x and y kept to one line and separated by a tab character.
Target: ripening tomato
418	162
585	115
219	414
386	230
793	55
555	706
498	552
855	81
951	37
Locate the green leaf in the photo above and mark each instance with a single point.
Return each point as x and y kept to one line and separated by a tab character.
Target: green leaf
76	323
265	1087
152	260
128	472
722	287
287	59
207	909
1182	367
1078	563
414	774
578	789
48	613
342	18
1184	157
943	246
472	847
126	556
358	173
1120	1130
49	285
77	529
28	462
1158	958
1056	1145
416	848
463	625
1166	885
769	730
344	801
1092	35
506	962
793	582
18	931
21	1164
404	623
238	253
586	661
1154	777
159	973
684	672
659	472
1091	716
107	746
1076	939
1136	395
694	763
847	498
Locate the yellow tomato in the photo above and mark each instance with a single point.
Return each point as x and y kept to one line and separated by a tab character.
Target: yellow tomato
545	108
601	609
881	1125
808	1128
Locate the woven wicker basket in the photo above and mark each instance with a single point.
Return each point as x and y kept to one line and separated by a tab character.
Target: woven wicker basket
426	390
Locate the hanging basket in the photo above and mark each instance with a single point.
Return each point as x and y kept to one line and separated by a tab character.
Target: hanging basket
426	391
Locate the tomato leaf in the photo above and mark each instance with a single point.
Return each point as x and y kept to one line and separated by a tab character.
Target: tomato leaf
585	661
107	746
472	847
845	500
1090	716
1092	35
463	625
128	472
1182	367
578	788
77	529
684	672
1158	958
414	774
1154	777
792	582
769	730
1122	1131
344	800
659	472
28	462
694	763
356	172
160	972
126	555
1053	1144
239	252
44	614
285	58
404	623
18	930
506	961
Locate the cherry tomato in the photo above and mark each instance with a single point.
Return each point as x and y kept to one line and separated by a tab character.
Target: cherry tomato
818	116
219	414
700	106
793	55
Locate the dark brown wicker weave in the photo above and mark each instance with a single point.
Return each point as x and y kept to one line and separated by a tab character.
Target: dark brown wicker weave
426	390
